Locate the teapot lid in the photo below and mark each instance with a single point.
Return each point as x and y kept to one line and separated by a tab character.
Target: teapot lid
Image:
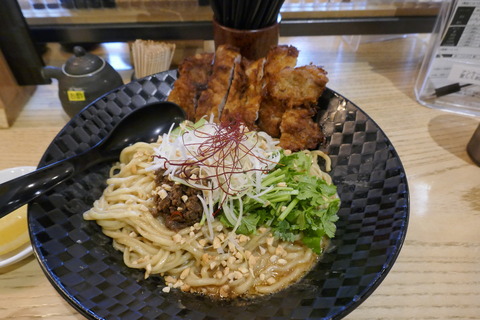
82	62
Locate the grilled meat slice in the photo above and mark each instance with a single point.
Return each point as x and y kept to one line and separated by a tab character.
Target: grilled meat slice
213	99
193	75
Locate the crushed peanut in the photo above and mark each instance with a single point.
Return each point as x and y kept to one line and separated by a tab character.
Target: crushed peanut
242	269
224	290
262	250
271	280
167	187
166	289
270	241
226	271
243	238
177	238
280	251
185	273
162	194
216	243
179	283
274	258
206	258
252	260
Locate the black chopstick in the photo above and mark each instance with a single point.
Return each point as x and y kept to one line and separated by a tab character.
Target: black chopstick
246	14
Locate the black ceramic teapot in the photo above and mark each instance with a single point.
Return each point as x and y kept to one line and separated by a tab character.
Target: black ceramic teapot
82	79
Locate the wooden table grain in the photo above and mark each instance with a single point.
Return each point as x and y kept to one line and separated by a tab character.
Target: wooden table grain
437	274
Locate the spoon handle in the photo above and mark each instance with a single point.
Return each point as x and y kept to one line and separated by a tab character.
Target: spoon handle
17	192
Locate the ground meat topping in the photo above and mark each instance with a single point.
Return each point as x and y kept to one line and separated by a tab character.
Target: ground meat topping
176	203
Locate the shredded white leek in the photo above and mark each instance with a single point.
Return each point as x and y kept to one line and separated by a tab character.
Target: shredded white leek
257	155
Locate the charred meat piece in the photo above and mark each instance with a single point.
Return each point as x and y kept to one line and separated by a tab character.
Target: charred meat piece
193	75
245	93
270	115
212	100
279	58
177	204
299	131
299	90
298	87
236	95
272	109
253	93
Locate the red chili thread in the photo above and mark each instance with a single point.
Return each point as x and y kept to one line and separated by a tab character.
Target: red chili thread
227	140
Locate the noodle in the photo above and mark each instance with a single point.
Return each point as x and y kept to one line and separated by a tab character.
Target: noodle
203	258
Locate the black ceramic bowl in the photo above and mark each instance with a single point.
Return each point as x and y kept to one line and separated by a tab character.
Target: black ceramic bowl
81	264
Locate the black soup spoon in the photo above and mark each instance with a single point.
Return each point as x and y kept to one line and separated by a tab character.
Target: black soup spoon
143	124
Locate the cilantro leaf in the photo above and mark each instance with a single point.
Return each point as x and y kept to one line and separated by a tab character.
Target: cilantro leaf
305	209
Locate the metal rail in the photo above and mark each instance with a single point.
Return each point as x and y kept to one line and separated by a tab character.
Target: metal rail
202	30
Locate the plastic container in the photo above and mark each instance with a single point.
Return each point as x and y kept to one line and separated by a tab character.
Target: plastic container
449	77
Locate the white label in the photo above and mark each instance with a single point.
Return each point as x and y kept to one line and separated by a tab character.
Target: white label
465	73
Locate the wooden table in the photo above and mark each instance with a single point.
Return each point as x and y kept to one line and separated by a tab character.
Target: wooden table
436	276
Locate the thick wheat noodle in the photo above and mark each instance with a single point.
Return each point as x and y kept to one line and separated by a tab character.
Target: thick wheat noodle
189	259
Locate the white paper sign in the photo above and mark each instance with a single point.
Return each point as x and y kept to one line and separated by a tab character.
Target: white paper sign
449	78
465	73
